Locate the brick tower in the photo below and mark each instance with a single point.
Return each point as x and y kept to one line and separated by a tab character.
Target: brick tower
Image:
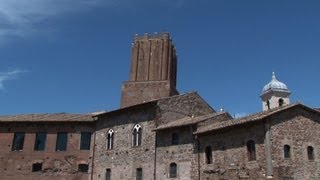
153	71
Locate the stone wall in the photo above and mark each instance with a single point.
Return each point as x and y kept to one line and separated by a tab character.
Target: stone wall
124	158
299	129
182	154
176	107
230	160
55	165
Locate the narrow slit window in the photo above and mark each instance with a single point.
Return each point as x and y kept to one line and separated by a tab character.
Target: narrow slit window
18	141
310	153
287	151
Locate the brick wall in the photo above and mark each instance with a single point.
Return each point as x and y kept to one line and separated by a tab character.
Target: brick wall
55	165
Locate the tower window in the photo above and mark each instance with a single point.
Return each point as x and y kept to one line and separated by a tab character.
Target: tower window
137	133
139	174
85	141
281	102
310	153
286	150
36	167
83	167
40	141
175	139
251	148
108	174
110	139
173	170
18	141
208	155
62	139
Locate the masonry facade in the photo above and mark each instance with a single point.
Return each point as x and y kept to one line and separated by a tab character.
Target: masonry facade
161	134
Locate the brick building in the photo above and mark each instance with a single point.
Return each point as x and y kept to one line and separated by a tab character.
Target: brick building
159	133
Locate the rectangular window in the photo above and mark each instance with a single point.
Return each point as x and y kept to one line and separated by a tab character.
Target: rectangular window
36	167
40	142
18	141
108	174
62	139
85	141
139	174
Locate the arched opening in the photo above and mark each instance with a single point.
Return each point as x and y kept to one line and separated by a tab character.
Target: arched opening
281	102
137	133
110	139
286	151
173	170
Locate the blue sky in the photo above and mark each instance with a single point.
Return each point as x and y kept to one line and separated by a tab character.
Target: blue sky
72	55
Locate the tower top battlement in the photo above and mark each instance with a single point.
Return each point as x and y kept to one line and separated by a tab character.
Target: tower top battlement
163	35
153	71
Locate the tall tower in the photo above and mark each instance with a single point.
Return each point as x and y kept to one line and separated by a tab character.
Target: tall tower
274	94
153	71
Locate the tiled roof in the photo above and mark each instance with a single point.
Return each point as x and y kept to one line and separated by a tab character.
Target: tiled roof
56	117
251	118
188	121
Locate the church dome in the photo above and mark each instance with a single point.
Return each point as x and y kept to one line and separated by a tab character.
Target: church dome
274	84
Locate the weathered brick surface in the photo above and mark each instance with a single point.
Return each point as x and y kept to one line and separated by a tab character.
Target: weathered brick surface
56	165
139	92
153	71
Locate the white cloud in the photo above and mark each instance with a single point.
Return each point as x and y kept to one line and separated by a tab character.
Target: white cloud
240	114
9	75
19	17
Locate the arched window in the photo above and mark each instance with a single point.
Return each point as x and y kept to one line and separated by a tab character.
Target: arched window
208	155
310	153
251	148
137	133
175	139
286	151
173	170
281	102
110	139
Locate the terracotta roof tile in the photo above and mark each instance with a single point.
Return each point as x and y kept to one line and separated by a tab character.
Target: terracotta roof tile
188	121
56	117
243	120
